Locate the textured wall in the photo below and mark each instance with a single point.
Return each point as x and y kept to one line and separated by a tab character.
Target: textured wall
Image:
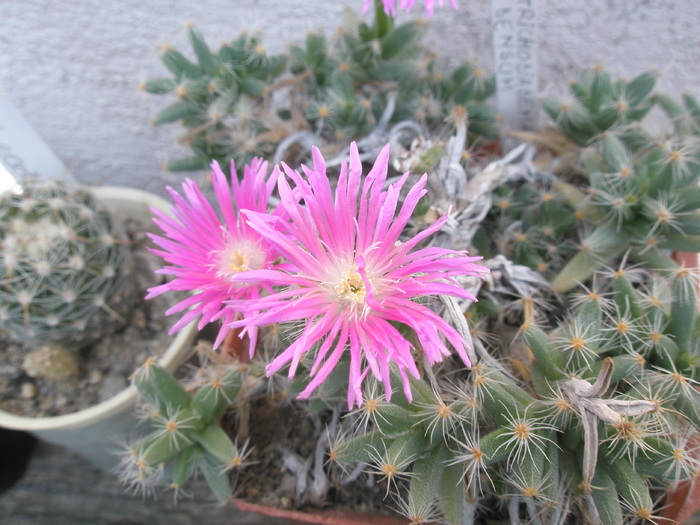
73	68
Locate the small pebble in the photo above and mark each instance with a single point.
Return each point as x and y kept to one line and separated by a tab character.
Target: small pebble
27	391
95	377
288	484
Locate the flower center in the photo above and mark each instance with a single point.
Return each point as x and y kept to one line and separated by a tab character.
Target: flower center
238	261
238	257
351	287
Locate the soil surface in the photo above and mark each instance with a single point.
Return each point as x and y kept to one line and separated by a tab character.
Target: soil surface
106	366
286	425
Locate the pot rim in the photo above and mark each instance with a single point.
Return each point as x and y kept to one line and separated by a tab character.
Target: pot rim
327	516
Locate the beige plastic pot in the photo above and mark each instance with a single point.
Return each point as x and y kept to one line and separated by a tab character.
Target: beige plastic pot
95	432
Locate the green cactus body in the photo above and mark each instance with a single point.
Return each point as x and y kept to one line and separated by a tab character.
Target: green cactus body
188	431
603	422
66	266
633	195
369	77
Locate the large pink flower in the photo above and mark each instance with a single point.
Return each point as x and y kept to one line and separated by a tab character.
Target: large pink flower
390	6
355	280
207	248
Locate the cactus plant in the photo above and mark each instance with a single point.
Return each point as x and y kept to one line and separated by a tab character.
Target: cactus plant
66	266
600	105
222	99
627	193
187	429
582	402
239	102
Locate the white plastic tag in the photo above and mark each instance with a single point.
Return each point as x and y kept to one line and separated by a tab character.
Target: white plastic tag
22	152
514	27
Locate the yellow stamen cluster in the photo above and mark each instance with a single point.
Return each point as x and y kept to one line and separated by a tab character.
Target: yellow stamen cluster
238	261
351	287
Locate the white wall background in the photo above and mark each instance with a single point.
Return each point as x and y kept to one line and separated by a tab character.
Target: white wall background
73	68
